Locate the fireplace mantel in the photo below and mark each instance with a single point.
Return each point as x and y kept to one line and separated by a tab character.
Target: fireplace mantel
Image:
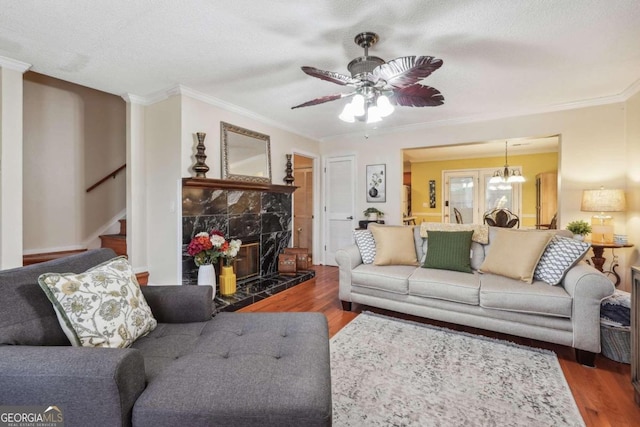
221	184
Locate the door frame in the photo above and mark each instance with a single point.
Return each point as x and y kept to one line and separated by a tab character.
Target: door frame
317	196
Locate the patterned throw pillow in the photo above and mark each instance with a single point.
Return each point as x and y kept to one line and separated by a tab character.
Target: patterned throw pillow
102	307
561	254
366	245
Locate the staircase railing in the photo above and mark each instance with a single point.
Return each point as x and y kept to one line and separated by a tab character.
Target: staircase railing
109	175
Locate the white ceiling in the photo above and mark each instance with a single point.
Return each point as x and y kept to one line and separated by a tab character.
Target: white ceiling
501	57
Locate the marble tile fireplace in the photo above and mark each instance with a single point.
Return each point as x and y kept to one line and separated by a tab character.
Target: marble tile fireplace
256	213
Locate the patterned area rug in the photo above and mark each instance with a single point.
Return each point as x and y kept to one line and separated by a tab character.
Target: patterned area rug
389	372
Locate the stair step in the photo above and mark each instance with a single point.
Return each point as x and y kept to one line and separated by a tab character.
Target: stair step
48	256
143	278
117	242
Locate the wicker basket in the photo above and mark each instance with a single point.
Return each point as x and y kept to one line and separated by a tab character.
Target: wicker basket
616	343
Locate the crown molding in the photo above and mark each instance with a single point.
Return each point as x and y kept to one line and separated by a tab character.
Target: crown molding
207	99
631	90
13	64
134	99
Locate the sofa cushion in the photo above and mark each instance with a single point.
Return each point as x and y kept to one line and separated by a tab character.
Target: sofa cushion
446	285
267	369
477	255
390	278
503	293
515	253
102	307
366	245
394	245
449	250
561	254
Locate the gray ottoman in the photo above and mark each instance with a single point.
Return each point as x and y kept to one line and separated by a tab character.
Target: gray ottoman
239	369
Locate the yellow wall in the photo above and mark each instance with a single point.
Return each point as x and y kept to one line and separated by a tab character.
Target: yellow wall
421	173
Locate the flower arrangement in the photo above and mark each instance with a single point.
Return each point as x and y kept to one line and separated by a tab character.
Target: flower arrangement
207	248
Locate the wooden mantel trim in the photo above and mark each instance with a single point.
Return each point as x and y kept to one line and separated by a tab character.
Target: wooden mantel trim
222	184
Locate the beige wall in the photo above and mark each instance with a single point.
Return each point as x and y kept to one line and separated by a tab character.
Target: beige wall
593	152
73	136
170	128
633	178
11	176
162	151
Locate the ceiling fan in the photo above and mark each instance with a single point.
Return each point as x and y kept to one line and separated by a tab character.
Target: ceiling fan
380	85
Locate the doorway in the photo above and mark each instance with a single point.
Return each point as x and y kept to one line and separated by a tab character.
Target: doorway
303	199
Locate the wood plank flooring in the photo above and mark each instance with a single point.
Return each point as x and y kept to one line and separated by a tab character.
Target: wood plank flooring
604	394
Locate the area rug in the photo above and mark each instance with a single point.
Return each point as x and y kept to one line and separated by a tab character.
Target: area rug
390	372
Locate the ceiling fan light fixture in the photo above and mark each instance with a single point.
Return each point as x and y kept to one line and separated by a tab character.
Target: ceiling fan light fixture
347	114
379	85
373	114
357	105
384	106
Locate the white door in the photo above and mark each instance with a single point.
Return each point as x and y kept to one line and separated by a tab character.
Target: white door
340	195
472	195
461	194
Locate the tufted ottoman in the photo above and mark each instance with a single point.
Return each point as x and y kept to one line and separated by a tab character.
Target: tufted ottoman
238	369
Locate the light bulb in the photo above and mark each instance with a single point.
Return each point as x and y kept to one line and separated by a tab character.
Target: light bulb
373	114
358	105
347	114
384	106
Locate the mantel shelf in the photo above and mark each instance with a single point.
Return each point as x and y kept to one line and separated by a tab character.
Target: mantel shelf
236	185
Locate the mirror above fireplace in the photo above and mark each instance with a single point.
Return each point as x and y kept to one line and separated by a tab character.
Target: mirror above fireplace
246	155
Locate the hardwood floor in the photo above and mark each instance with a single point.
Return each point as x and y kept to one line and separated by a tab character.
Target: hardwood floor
604	394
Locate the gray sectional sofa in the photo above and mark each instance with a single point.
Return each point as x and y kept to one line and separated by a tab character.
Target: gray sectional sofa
567	314
236	369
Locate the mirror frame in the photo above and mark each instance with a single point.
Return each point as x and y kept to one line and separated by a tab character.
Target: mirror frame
226	131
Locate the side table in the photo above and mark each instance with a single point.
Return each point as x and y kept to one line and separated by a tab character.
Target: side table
599	259
635	332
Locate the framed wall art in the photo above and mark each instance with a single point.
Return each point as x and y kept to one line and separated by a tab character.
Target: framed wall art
376	183
432	193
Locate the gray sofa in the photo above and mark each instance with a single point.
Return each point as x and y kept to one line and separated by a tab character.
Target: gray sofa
567	314
236	369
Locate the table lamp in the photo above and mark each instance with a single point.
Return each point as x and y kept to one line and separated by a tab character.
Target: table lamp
602	201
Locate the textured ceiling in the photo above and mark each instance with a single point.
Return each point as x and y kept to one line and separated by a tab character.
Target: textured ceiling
501	57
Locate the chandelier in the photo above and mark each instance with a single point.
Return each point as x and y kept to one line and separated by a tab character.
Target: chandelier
506	174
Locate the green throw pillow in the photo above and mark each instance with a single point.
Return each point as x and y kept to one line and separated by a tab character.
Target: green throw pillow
449	250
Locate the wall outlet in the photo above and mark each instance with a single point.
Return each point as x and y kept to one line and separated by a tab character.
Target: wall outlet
424	205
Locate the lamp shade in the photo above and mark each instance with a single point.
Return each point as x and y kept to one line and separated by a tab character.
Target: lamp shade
603	200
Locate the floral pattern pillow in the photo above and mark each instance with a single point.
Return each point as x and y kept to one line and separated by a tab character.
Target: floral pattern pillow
102	307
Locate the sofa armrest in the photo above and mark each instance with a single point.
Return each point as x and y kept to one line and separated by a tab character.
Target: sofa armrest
91	385
347	258
587	287
179	304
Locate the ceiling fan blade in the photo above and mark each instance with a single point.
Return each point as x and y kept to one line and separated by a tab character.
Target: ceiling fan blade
417	96
331	76
324	99
407	70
